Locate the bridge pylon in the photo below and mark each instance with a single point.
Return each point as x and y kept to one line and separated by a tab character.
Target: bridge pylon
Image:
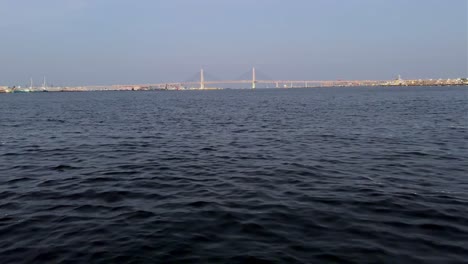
254	78
202	79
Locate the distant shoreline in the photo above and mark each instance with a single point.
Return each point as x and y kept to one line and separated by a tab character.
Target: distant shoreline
111	88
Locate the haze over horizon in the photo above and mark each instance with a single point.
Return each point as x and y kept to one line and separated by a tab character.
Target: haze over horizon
80	42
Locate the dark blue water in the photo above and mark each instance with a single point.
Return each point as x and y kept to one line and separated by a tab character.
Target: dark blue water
358	175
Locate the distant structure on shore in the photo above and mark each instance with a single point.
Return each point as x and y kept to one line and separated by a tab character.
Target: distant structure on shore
203	84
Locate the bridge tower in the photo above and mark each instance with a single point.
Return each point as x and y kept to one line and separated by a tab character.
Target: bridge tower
254	79
202	80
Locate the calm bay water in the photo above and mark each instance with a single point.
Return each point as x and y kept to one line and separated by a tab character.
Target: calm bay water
359	175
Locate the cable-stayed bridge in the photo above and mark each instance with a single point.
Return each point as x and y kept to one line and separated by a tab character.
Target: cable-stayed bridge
200	81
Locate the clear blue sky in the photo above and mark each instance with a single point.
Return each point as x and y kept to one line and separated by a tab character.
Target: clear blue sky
144	41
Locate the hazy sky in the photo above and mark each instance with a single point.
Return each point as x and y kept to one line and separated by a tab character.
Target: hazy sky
147	41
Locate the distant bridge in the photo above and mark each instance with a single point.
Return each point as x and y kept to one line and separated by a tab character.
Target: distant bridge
202	83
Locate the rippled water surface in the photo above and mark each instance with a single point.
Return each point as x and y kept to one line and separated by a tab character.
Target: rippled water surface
361	175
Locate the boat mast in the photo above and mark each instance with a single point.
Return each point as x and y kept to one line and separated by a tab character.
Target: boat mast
44	85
